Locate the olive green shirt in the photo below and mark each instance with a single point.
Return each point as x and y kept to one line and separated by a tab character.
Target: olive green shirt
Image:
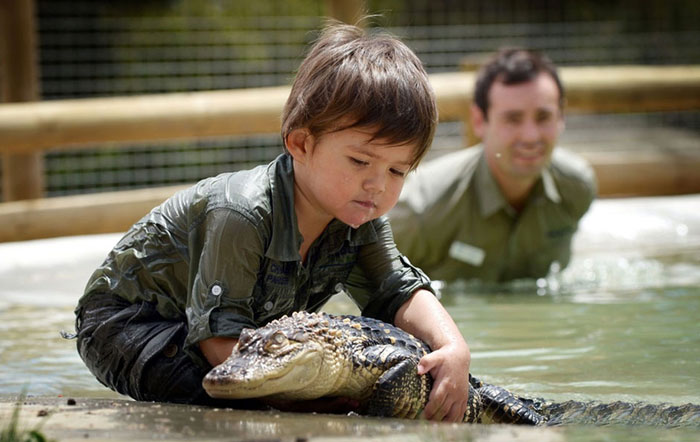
453	221
224	255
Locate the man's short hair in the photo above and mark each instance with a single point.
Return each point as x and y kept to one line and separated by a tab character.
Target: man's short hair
350	78
513	66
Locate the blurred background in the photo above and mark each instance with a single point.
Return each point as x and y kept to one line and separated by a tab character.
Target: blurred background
98	49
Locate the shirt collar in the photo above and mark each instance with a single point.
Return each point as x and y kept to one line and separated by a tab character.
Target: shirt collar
489	194
550	186
338	232
286	239
491	198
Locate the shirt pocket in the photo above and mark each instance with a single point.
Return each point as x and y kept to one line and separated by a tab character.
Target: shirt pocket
556	248
330	274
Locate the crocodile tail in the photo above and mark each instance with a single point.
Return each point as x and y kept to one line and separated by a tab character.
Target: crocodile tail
628	413
475	382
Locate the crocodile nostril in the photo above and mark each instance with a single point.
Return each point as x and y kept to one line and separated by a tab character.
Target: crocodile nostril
246	336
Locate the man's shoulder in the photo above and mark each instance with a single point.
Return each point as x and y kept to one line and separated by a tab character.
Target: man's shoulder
575	179
445	170
453	161
435	189
572	167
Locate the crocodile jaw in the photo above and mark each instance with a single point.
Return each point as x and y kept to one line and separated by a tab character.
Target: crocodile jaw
233	379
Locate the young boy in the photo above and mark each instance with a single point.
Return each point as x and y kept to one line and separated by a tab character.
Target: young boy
240	249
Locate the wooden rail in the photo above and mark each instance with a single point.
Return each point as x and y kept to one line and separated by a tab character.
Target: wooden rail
70	124
104	212
28	128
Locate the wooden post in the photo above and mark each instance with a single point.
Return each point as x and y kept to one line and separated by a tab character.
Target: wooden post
22	174
347	11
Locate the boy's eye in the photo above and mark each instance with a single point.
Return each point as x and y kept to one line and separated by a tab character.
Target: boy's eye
398	173
358	161
513	119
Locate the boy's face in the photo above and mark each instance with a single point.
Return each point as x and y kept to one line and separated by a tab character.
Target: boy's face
352	178
521	129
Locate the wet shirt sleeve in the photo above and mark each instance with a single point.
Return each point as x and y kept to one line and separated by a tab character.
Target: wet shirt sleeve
226	251
384	279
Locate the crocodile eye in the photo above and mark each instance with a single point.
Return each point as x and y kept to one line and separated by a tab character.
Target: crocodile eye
276	340
279	338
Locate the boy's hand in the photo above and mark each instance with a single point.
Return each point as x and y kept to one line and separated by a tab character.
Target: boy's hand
424	317
449	367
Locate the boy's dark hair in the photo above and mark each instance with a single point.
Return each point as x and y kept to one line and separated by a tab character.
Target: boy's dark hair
513	66
352	79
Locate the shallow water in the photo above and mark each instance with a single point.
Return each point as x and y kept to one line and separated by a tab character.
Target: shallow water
622	322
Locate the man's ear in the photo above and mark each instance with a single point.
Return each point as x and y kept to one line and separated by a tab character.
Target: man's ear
299	143
478	120
561	125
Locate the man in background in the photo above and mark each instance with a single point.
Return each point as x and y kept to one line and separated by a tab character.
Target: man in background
508	207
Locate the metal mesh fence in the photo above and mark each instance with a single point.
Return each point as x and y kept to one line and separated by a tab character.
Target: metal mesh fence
91	49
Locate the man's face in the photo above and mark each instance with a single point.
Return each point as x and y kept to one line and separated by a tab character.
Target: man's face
522	126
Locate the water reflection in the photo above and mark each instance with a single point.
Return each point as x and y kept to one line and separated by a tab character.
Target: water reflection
610	345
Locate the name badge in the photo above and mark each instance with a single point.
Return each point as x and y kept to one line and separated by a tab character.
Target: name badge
467	253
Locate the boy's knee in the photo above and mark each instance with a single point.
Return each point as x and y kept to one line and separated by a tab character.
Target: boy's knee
133	350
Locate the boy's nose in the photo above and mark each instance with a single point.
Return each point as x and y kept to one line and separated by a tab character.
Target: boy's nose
375	183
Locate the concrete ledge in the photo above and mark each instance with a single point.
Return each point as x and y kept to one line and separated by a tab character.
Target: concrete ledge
100	419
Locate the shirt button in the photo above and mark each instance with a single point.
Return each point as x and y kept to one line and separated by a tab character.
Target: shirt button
216	290
339	287
170	350
268	306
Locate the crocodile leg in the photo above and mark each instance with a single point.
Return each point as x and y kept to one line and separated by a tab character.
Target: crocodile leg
399	392
502	407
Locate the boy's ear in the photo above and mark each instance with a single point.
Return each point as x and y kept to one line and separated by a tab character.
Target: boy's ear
299	143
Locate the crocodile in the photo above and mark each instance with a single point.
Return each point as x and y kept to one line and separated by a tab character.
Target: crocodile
308	356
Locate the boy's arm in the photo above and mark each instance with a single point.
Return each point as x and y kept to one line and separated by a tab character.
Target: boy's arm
424	317
217	349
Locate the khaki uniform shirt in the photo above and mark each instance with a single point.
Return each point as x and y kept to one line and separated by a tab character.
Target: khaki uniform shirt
453	221
224	255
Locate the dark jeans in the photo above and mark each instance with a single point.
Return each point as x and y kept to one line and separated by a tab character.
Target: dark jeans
133	350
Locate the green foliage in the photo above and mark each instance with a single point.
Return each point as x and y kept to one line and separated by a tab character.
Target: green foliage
13	432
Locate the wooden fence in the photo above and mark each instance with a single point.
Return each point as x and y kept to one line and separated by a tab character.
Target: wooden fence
34	127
